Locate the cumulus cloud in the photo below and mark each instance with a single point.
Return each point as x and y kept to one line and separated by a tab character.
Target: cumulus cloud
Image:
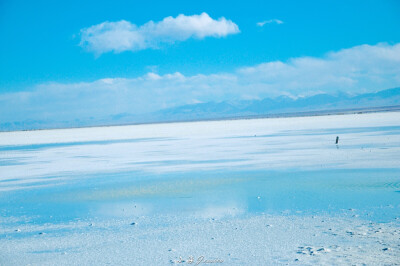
274	21
364	68
124	36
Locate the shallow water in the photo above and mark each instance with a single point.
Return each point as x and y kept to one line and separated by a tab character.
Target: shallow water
207	169
373	194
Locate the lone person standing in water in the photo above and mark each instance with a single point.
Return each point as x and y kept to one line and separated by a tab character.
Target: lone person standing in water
337	139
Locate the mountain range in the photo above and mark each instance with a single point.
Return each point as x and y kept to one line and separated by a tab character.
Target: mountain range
281	106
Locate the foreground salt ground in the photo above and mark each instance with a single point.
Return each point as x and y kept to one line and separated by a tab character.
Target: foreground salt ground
244	192
256	240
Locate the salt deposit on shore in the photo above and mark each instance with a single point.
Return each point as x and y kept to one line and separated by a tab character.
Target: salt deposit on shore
255	240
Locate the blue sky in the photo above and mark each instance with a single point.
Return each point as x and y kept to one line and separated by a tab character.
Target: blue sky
48	63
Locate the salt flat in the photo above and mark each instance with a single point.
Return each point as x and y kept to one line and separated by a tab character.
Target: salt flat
260	191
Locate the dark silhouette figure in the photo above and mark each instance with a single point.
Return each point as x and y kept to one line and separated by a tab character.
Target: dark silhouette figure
337	140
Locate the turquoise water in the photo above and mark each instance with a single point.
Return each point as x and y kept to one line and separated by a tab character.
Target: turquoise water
373	194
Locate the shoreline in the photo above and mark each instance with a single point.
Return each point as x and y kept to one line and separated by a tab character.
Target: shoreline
257	239
349	111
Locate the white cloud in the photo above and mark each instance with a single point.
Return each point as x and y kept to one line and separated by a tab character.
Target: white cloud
123	36
275	21
358	69
361	68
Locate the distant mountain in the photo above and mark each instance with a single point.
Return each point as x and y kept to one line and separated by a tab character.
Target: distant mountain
282	105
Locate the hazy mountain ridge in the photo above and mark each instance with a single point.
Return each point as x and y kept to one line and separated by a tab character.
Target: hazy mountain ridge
284	104
227	109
